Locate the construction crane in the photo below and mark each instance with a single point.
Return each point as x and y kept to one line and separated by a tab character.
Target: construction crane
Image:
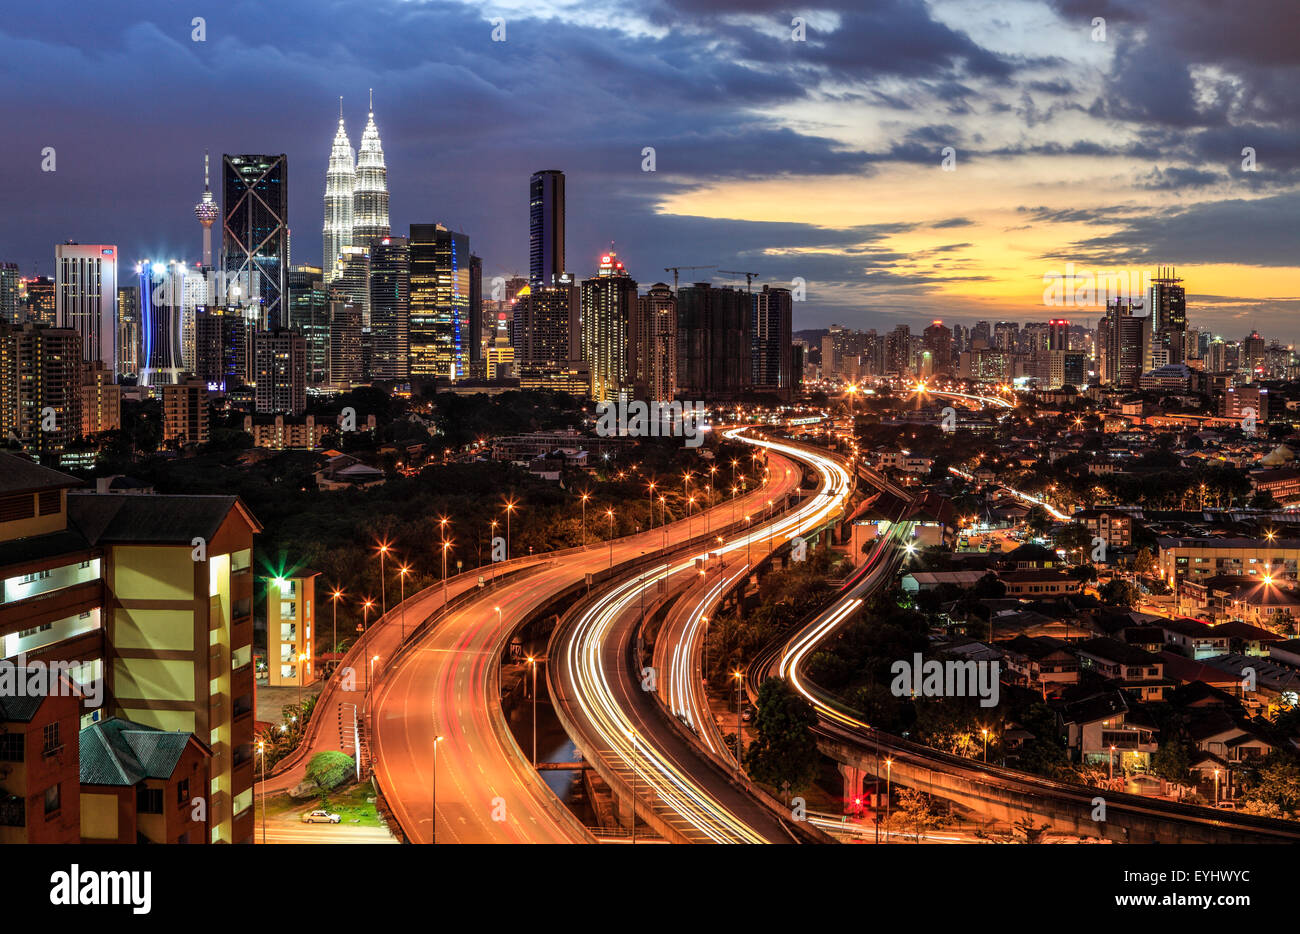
749	277
673	270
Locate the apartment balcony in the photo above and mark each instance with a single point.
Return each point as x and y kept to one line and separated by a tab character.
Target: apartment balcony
48	607
1128	740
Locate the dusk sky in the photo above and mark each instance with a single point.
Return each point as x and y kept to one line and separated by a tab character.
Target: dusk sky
819	159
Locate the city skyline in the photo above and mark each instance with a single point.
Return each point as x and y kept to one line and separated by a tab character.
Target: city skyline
769	172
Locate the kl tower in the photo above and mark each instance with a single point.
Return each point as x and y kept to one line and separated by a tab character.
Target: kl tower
207	211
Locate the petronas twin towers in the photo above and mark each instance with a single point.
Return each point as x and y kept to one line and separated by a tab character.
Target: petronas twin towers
356	194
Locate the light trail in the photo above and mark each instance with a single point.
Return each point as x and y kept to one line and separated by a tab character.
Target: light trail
1052	510
585	651
922	389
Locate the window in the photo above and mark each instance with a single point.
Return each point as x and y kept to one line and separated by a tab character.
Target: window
34	576
52	800
149	800
48	502
182	792
12	747
34	630
50	735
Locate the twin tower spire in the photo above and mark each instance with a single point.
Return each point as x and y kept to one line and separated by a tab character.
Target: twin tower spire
356	193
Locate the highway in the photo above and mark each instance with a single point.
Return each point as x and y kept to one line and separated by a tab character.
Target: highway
600	700
839	725
447	684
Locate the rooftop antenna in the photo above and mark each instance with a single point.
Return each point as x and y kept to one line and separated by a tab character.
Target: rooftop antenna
340	108
372	100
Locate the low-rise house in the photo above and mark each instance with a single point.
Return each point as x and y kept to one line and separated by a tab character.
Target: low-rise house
1193	638
1265	603
1039	583
1104	730
1131	668
1109	524
1041	662
142	785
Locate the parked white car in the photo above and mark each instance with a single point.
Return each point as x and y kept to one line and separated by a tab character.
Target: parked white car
320	817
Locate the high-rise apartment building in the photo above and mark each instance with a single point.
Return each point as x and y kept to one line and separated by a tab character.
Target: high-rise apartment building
773	339
1166	306
937	340
545	227
344	344
654	363
40	388
609	303
713	343
390	307
114	586
280	359
185	412
128	330
38	299
255	230
85	298
309	316
10	310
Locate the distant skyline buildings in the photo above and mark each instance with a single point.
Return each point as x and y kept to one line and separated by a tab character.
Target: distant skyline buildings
546	210
255	229
85	298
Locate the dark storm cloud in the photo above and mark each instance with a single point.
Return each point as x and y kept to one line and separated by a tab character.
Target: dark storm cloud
1262	232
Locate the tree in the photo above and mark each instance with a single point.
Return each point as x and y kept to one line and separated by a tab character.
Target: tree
785	750
1119	592
916	813
1144	564
1172	762
1275	788
327	770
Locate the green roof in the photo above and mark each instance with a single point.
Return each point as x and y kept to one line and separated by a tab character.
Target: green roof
120	752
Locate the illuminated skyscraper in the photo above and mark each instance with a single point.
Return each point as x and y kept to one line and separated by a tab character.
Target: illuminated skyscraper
773	340
370	192
655	355
9	312
439	303
609	303
255	232
390	307
162	291
340	182
1167	316
545	227
207	212
85	298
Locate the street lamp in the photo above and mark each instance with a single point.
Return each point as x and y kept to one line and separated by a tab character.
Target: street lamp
740	682
889	776
445	545
585	497
365	638
510	508
609	514
383	600
651	500
986	744
401	573
336	596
